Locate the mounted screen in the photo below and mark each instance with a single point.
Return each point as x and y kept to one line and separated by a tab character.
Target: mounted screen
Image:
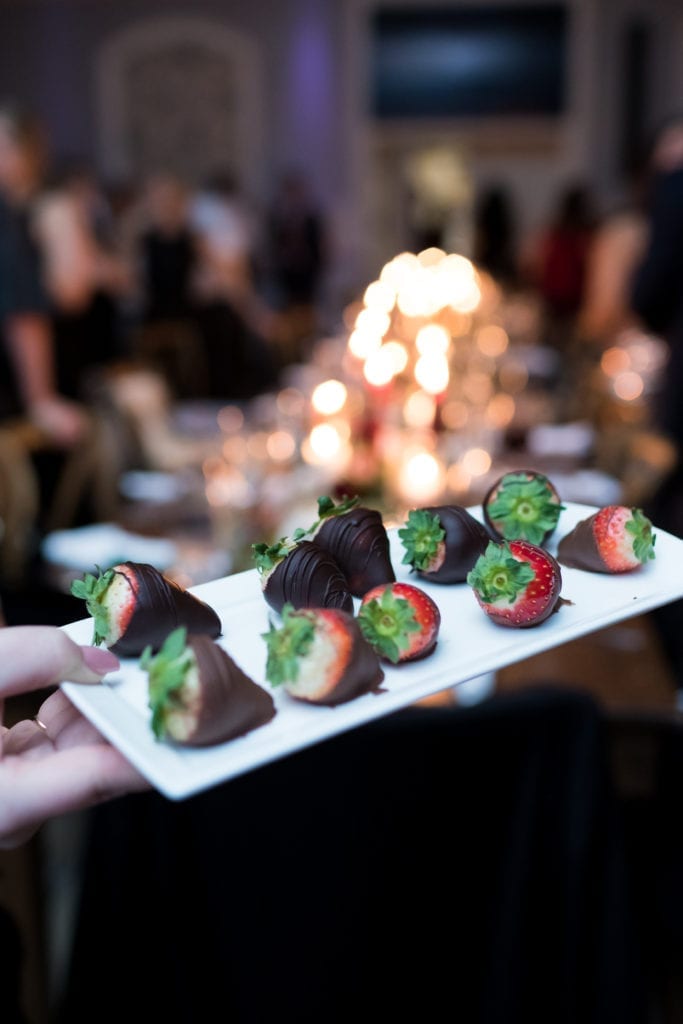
468	62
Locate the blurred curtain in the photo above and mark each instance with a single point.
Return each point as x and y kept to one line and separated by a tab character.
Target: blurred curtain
439	864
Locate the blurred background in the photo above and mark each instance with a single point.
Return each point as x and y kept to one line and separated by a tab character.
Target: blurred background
251	254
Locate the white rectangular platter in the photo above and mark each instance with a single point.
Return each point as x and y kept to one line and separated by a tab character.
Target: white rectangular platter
469	645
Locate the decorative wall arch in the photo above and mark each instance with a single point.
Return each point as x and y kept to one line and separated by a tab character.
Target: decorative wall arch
182	94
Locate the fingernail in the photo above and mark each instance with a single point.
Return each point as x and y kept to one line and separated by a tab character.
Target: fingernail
100	660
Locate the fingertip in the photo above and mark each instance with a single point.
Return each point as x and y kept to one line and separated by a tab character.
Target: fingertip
91	664
100	660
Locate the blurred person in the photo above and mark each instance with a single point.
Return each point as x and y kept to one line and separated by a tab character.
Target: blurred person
494	246
657	287
78	179
28	384
168	251
657	297
84	277
57	447
223	226
559	264
166	257
233	321
616	250
296	256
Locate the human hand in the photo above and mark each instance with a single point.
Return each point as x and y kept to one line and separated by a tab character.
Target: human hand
57	762
64	422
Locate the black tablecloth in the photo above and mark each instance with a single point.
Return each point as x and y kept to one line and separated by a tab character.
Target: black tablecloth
441	864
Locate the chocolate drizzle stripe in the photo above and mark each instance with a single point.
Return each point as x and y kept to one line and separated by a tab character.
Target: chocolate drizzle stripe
160	607
308	578
358	541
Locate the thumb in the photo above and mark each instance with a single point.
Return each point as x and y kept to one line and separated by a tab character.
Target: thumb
33	657
95	661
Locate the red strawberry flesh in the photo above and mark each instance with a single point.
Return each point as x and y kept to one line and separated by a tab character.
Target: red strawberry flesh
134	606
614	539
516	583
400	620
321	657
121	600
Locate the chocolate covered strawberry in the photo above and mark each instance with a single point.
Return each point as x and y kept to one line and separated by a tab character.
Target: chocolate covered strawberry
357	540
133	606
443	543
614	539
400	621
522	505
198	695
516	583
320	656
301	574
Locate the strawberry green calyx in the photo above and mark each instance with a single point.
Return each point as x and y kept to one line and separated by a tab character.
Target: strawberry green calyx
525	508
327	507
92	589
498	575
326	510
266	557
386	623
167	673
640	528
293	640
421	537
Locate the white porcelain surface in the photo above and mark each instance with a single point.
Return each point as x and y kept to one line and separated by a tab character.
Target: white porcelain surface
470	645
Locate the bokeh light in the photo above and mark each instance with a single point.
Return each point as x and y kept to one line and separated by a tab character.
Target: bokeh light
281	446
419	410
628	386
432	338
491	340
421	477
379	367
615	360
380	295
373	321
476	461
398	354
230	419
362	342
432	373
329	397
500	410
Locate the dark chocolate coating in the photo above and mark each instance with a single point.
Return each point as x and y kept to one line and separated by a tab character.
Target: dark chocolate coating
501	620
465	540
491	493
308	578
358	542
578	549
361	674
231	703
161	606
